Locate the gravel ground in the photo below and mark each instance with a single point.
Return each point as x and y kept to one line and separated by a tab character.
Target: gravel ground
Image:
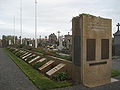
11	77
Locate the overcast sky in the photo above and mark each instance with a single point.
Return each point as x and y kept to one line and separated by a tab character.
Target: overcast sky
53	15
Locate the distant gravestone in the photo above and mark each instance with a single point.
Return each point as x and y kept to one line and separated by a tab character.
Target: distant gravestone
91	50
9	42
60	47
116	42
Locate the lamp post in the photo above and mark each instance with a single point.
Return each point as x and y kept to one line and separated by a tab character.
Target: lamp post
35	23
14	29
20	21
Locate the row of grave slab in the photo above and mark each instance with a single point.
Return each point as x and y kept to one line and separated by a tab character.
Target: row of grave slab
51	66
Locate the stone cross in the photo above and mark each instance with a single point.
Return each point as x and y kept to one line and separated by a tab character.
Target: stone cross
118	26
68	33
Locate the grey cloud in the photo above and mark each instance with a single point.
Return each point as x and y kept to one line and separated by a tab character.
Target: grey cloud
54	15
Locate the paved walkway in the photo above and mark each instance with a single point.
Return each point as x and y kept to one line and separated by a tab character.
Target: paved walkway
11	77
116	64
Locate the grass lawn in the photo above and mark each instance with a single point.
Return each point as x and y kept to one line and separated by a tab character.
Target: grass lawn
115	73
69	58
41	81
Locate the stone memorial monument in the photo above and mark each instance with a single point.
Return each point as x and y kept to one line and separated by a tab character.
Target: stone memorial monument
92	50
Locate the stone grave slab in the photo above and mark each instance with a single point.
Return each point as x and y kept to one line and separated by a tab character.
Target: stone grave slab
15	50
34	59
30	56
55	69
23	52
42	60
46	66
20	51
26	56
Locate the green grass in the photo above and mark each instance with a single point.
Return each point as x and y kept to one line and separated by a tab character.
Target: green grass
36	65
63	57
38	50
115	73
69	58
41	81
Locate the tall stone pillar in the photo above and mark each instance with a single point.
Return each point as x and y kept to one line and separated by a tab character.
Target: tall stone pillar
92	50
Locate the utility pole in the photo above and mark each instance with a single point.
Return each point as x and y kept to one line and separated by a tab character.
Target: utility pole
14	29
58	34
20	21
35	23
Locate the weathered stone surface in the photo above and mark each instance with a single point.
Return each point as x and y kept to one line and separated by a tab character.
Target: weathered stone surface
30	56
26	56
46	66
42	60
56	69
34	59
95	58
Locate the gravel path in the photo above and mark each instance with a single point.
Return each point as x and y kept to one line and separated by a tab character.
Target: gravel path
11	77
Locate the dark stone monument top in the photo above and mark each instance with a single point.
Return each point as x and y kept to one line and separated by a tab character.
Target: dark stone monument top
118	31
118	26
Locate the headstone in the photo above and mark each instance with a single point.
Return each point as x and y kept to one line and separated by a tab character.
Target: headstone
26	56
60	47
92	58
34	59
30	56
116	42
10	42
55	69
46	66
42	60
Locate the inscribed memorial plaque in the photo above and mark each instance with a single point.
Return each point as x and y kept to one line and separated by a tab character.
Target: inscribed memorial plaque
91	49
